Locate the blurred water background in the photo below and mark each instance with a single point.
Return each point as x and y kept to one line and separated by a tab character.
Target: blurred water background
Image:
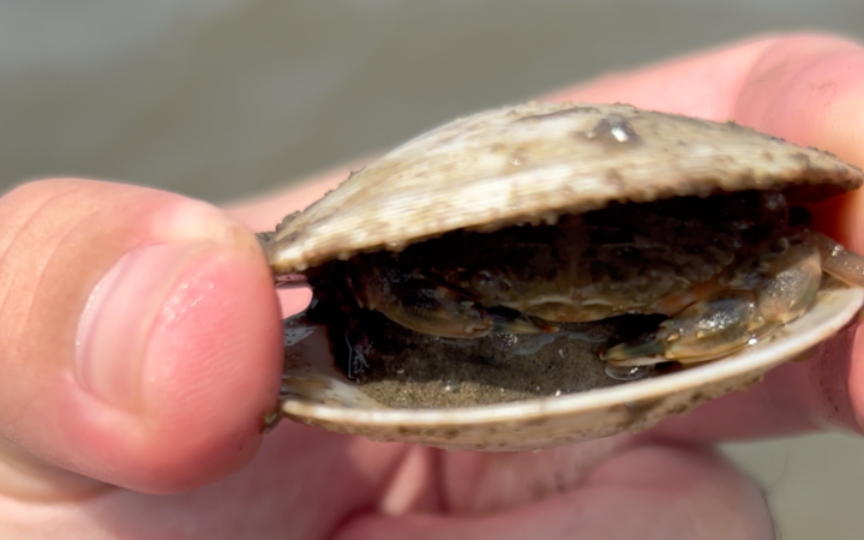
221	99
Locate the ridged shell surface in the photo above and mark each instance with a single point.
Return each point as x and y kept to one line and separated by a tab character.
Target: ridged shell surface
533	162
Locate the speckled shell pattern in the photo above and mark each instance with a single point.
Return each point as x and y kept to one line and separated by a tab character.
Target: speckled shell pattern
533	162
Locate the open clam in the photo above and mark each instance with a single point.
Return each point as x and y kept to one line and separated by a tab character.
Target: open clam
494	283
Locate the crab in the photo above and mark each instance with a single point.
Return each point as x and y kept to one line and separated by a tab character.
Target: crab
530	222
727	270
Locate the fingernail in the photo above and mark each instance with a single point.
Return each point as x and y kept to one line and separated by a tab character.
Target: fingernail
112	337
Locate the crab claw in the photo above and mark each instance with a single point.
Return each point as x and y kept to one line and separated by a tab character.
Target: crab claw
441	311
438	310
730	321
703	331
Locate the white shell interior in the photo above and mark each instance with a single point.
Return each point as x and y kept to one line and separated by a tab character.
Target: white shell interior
316	393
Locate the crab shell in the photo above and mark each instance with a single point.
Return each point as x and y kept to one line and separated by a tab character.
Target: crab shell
530	164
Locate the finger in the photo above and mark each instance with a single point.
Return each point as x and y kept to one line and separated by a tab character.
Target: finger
703	84
141	340
662	492
795	85
805	88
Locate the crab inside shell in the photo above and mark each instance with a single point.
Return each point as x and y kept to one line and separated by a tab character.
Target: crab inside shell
526	166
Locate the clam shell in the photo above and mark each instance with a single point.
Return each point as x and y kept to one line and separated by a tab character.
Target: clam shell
533	162
530	164
315	393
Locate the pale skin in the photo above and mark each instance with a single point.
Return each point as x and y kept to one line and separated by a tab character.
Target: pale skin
141	349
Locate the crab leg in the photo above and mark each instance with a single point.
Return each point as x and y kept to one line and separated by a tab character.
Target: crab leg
837	260
430	308
719	326
440	311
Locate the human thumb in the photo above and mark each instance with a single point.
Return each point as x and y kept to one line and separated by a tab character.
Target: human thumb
140	342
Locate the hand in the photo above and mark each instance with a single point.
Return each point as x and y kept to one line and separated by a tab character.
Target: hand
141	350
